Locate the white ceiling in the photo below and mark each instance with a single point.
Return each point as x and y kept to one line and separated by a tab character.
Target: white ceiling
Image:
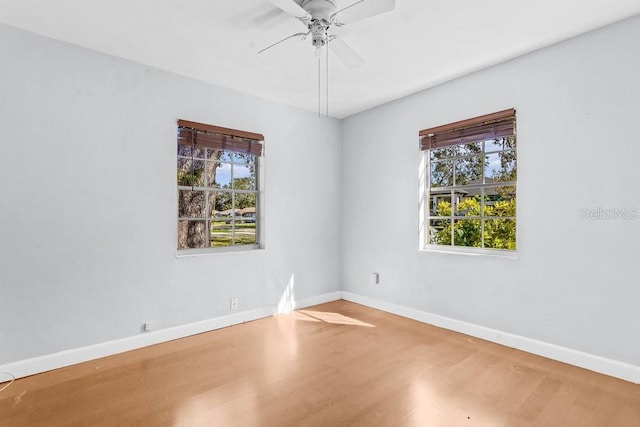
419	44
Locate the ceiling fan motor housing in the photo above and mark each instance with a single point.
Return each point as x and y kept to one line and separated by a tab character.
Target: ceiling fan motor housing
320	9
321	12
319	35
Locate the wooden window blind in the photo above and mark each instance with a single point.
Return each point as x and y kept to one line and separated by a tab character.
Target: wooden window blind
495	125
219	138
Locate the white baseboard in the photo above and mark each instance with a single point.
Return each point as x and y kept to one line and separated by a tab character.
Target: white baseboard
61	359
588	361
36	365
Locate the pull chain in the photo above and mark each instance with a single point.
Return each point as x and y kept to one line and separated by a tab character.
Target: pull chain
319	90
327	62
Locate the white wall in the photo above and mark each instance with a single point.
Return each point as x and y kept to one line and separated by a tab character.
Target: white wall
576	283
88	200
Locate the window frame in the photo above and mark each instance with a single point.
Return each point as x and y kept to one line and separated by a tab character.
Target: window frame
470	131
231	140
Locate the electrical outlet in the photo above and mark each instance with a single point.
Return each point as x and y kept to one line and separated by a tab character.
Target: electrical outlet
233	305
148	326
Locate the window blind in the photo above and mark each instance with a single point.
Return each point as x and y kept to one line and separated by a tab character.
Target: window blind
495	125
219	138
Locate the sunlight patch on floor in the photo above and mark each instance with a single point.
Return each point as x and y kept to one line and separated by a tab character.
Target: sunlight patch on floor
335	318
297	315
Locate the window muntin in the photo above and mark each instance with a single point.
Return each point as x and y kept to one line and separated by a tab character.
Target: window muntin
471	189
217	183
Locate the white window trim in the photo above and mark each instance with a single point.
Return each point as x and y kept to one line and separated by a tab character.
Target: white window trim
464	250
423	220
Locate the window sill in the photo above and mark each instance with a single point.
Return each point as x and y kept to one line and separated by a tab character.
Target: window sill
458	250
184	253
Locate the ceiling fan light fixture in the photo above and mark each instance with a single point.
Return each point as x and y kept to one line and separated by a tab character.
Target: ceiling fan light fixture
318	30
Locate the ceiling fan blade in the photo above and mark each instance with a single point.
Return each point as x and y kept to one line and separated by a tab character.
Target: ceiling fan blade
270	17
345	53
362	9
283	40
292	8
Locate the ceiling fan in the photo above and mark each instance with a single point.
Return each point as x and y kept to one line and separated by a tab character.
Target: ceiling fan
318	16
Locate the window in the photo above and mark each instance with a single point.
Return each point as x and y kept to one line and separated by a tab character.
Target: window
217	176
470	189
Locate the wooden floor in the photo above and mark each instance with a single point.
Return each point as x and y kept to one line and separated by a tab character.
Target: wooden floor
337	364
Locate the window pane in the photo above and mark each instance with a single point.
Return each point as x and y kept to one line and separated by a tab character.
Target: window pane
467	232
245	233
191	151
191	172
249	160
440	203
245	212
500	233
510	142
468	203
441	174
466	149
192	234
492	168
191	204
184	168
184	150
214	154
221	234
246	204
500	201
242	158
501	167
494	145
241	170
439	232
210	208
499	144
212	168
222	175
245	224
243	178
442	153
469	170
223	203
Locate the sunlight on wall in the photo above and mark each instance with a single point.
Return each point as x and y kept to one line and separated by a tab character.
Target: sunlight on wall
287	300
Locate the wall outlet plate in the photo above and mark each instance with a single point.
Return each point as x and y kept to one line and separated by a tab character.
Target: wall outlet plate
233	304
